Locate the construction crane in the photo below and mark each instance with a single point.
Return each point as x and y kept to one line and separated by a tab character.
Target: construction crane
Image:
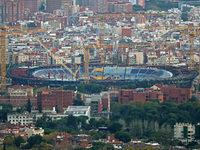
104	17
11	30
190	30
57	59
87	53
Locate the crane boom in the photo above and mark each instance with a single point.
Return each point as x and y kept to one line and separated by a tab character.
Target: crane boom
74	74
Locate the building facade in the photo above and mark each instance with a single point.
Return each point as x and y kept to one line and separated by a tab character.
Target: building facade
173	94
96	105
162	93
11	11
54	98
22	119
18	96
32	5
28	89
78	111
101	6
52	5
127	95
184	132
33	131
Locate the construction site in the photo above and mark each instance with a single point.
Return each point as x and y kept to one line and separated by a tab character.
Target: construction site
119	59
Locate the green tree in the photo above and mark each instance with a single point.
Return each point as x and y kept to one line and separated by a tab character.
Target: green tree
45	117
58	108
192	99
93	123
100	145
40	106
114	127
137	8
77	102
123	136
29	106
8	141
40	123
18	140
7	108
71	121
36	139
42	146
163	137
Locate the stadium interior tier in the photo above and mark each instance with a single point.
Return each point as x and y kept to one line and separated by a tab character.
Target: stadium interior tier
107	73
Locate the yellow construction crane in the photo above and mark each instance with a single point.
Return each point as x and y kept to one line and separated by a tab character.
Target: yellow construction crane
10	30
190	30
87	53
104	17
57	59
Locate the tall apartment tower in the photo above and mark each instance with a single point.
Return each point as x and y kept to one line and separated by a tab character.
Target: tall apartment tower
52	5
141	3
66	2
11	11
32	5
101	6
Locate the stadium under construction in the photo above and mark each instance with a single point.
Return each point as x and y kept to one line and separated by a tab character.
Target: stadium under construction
56	75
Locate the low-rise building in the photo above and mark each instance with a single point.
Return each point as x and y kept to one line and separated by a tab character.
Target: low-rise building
18	96
140	94
110	139
96	105
13	132
23	119
78	111
33	131
160	92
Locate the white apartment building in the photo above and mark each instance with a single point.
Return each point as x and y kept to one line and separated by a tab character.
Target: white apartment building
24	118
184	132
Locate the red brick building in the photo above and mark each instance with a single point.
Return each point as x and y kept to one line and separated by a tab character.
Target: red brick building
101	6
11	11
52	5
32	5
126	95
173	94
141	3
18	101
123	7
14	132
18	96
53	98
158	92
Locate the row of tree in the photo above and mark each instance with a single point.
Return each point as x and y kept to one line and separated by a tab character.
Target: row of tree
137	120
162	113
33	142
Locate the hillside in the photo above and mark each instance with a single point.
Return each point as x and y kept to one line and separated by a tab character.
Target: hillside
156	5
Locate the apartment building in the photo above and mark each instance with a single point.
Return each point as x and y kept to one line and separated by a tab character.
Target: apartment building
11	11
32	5
54	98
52	5
173	94
22	119
18	96
140	94
162	93
33	131
184	132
